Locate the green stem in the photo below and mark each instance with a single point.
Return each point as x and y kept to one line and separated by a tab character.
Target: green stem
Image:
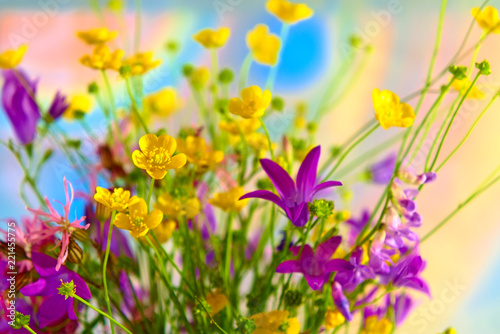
245	71
215	72
29	329
273	72
268	138
150	192
134	106
229	244
110	95
101	313
104	265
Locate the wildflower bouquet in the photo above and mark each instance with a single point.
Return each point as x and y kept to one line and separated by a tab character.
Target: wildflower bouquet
224	226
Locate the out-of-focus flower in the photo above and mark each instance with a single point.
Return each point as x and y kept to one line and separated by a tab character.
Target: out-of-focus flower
381	172
463	85
259	144
357	225
340	301
375	326
199	77
289	12
138	221
162	103
18	94
396	230
354	272
54	307
293	197
408	176
102	58
157	155
247	126
389	111
487	18
217	301
211	39
406	274
176	208
118	200
164	231
273	322
333	318
315	266
264	46
379	256
140	63
79	106
58	105
11	58
230	200
63	223
199	153
96	36
252	104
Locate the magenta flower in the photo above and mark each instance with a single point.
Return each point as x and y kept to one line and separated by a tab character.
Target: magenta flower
63	224
397	231
315	266
54	308
381	172
293	197
340	301
379	255
406	274
58	106
352	273
357	225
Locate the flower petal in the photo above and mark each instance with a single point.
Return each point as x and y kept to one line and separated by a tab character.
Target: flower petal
306	177
168	143
139	159
280	178
122	221
315	282
148	142
288	267
326	249
324	185
154	219
338	265
177	161
53	309
265	195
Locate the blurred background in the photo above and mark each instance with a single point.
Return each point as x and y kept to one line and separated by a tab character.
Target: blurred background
463	259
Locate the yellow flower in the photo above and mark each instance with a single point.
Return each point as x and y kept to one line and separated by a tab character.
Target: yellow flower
264	46
487	18
164	231
258	142
247	126
463	85
11	58
389	111
375	326
157	155
79	105
252	104
140	63
270	323
175	208
96	36
102	58
289	12
199	153
200	77
333	318
210	38
300	122
138	222
162	103
229	201
119	200
217	302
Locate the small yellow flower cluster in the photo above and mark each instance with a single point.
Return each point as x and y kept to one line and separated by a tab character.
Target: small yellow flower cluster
162	103
487	18
263	45
375	326
199	153
229	201
212	39
333	318
274	321
118	200
252	104
389	111
79	104
176	209
138	221
289	12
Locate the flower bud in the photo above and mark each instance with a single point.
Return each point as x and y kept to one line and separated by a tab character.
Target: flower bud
102	212
226	76
277	103
484	67
321	208
187	70
75	253
93	88
459	72
293	298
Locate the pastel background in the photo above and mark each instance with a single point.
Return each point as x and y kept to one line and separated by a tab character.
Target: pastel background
463	258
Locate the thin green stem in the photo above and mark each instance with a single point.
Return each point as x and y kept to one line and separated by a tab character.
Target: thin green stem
104	265
102	313
134	106
29	329
273	72
268	138
245	71
150	192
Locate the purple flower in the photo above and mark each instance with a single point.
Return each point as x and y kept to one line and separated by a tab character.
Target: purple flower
22	307
381	172
380	255
315	266
293	197
55	307
340	301
402	307
396	230
357	225
352	273
18	102
408	176
58	106
406	274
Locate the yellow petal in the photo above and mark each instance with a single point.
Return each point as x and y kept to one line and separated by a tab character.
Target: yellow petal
251	93
177	161
138	209
154	219
168	143
148	142
122	221
139	159
138	234
156	173
235	106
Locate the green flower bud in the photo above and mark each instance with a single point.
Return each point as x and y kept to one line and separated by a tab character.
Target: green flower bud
226	76
187	70
335	151
321	208
172	46
21	320
312	127
125	71
202	307
450	331
93	88
245	325
484	67
293	298
277	103
459	72
355	41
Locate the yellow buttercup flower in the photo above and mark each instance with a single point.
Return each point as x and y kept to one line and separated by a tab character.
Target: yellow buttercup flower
229	201
252	104
102	58
79	105
264	46
247	126
258	142
289	12
140	63
463	85
200	77
375	326
487	18
138	222
176	209
333	318
163	102
199	153
210	38
389	111
273	321
217	301
164	231
13	57
118	200
96	36
157	155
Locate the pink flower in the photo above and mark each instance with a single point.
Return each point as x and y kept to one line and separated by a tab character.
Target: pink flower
63	224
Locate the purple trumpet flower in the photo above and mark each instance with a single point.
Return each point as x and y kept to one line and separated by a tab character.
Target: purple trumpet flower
381	172
379	256
352	273
293	196
315	266
55	307
402	307
340	301
58	106
18	102
397	231
406	274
